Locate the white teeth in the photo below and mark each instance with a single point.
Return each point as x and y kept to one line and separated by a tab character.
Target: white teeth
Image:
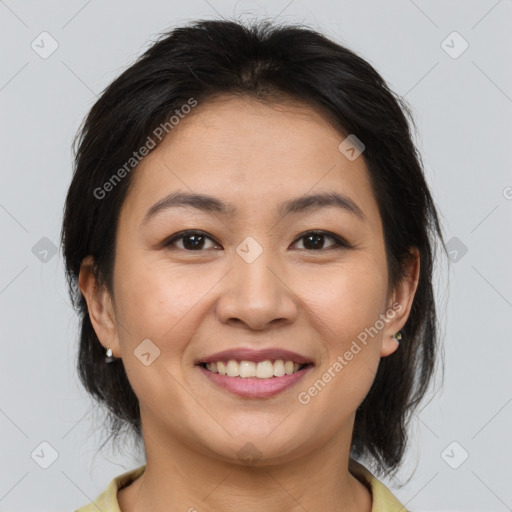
279	368
250	369
233	369
264	370
212	367
221	368
247	369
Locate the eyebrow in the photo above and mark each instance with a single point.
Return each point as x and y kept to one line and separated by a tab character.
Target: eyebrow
210	204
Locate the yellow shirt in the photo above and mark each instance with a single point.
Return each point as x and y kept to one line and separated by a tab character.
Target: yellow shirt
383	499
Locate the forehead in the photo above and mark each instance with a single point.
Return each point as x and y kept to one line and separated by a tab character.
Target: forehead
250	154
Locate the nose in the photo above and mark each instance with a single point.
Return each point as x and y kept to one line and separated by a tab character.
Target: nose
257	294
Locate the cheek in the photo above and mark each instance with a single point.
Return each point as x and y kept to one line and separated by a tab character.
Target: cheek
156	302
351	302
152	297
346	304
349	299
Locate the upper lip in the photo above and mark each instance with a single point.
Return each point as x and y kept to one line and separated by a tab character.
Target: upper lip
247	354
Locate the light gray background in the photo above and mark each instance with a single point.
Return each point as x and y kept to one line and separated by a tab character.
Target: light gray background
463	109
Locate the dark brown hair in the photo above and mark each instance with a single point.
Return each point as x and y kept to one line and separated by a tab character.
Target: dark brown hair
263	60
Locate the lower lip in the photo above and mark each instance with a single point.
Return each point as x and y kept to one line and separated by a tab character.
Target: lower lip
254	387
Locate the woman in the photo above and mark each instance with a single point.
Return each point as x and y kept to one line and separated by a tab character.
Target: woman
249	241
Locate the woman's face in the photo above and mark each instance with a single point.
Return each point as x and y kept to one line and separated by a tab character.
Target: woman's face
256	281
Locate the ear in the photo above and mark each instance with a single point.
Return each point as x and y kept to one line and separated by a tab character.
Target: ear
99	304
400	303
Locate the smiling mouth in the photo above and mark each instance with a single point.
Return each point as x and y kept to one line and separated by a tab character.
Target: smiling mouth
267	369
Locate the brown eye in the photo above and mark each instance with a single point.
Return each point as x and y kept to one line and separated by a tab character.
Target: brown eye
316	240
190	241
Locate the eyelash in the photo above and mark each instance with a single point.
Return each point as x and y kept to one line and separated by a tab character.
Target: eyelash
339	243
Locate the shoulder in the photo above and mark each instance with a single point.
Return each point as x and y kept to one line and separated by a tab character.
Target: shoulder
383	498
107	500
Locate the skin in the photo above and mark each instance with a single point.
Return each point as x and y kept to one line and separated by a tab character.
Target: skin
194	303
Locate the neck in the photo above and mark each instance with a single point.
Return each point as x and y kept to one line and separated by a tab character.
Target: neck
179	478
